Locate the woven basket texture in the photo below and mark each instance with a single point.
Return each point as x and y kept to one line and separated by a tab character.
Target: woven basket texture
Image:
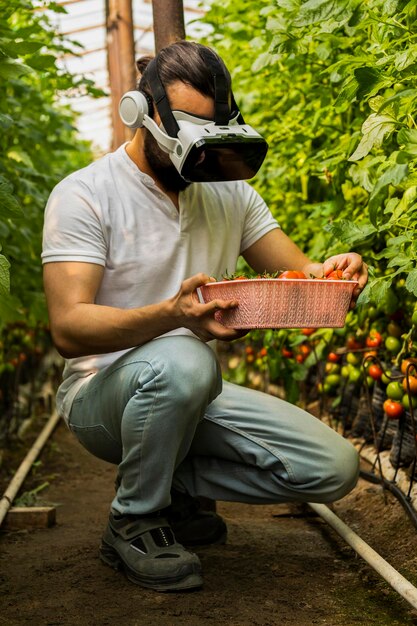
278	303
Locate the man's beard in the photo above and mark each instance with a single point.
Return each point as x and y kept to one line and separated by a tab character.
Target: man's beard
162	165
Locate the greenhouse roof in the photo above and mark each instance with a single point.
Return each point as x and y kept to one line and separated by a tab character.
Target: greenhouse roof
85	23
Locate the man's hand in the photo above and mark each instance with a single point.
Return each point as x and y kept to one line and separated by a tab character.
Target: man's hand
353	268
190	313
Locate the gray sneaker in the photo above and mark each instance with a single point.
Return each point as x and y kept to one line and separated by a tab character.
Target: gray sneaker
146	549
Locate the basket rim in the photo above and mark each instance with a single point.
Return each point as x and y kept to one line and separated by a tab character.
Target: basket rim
281	280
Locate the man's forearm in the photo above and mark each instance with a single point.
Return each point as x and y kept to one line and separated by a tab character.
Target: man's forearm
95	329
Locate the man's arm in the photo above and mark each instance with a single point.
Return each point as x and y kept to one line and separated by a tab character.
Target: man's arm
80	327
275	251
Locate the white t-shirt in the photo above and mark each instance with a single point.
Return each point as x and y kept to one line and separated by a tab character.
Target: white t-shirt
112	214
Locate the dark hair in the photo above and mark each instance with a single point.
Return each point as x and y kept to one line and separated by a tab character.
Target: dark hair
182	61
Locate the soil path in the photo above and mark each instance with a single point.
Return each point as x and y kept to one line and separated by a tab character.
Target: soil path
281	565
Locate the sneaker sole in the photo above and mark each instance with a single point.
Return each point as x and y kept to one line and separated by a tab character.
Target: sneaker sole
110	557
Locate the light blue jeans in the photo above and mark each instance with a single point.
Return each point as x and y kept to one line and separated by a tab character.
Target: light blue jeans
163	415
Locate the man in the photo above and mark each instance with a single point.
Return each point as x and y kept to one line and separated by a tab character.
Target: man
127	242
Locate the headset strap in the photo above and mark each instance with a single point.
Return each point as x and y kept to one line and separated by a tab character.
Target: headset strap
221	95
222	111
161	100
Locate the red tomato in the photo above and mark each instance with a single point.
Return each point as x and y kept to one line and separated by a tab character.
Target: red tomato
333	357
292	274
375	372
307	331
286	353
352	343
304	349
374	339
263	352
335	275
412	383
406	366
393	409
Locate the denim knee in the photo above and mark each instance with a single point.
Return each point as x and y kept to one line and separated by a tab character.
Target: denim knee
342	472
193	370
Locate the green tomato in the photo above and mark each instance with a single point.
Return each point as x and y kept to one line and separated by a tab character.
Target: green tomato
406	402
384	377
393	344
395	390
394	329
353	358
414	318
333	380
345	371
355	375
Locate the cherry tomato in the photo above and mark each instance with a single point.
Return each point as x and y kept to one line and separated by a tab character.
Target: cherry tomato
405	366
286	353
375	371
304	349
263	352
333	357
352	343
292	274
307	331
353	359
394	390
412	384
394	329
374	339
335	275
393	409
333	380
393	345
355	374
406	401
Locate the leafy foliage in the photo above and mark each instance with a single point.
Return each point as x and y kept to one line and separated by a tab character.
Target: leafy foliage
331	85
38	147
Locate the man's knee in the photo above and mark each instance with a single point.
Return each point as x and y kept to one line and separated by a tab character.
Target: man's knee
342	472
193	369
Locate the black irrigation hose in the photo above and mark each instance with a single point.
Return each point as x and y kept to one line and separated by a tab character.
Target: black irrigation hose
396	491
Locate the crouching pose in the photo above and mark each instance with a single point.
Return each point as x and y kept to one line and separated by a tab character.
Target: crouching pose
127	242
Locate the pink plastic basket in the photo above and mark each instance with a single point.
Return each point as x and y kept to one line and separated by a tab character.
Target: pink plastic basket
279	303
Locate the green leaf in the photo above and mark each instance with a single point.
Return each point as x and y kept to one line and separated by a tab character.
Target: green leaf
379	290
6	121
411	282
13	69
407	138
316	11
9	206
4	275
350	232
42	61
392	176
370	81
374	129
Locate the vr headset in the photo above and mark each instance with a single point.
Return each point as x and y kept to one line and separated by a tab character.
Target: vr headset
201	150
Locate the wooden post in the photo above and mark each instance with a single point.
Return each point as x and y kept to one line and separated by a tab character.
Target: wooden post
121	62
168	22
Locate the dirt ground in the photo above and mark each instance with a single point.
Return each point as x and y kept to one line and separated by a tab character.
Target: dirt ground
281	564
